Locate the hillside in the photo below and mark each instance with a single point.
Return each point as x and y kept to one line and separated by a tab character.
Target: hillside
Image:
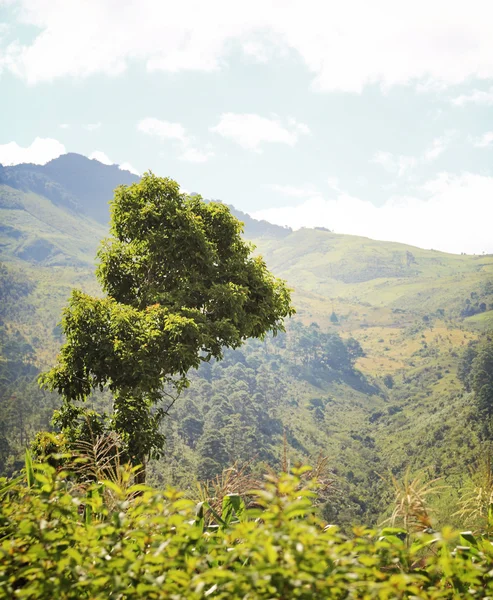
411	310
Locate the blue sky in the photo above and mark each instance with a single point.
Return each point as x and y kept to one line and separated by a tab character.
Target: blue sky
367	118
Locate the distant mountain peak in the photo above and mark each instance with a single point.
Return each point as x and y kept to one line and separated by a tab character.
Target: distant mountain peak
86	185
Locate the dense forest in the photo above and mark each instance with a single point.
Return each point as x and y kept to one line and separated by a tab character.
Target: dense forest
184	354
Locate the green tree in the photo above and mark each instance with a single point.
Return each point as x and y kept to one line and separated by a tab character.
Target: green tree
180	285
191	428
464	368
482	379
354	349
335	354
388	381
213	454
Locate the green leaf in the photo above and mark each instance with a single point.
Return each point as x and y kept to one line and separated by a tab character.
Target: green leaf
233	504
29	469
8	485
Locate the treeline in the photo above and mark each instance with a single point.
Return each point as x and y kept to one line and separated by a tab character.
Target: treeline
475	371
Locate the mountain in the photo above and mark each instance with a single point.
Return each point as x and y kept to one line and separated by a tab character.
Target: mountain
395	403
56	214
70	181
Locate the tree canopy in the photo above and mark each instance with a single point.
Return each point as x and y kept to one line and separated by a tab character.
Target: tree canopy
180	285
475	371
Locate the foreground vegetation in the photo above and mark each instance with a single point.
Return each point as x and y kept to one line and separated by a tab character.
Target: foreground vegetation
65	538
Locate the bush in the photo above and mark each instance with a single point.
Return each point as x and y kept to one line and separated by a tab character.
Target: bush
67	542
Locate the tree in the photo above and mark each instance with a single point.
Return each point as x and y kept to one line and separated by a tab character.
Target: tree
388	381
180	285
213	454
335	353
354	349
464	367
482	379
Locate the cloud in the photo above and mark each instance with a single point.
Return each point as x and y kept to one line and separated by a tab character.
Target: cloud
64	126
128	167
41	151
438	146
333	183
402	165
165	130
394	164
293	191
196	156
485	140
344	45
106	160
101	157
479	97
452	213
250	130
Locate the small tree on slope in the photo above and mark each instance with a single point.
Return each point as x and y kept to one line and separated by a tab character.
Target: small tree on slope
181	284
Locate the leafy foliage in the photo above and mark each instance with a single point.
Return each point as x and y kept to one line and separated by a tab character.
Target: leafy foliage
181	285
60	541
476	374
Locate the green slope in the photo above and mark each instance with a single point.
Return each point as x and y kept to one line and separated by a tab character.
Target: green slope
407	307
381	274
35	230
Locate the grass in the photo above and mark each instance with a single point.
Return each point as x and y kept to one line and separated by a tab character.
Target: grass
481	321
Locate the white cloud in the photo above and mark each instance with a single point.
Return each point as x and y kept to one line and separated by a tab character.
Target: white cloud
438	146
385	159
345	45
293	191
485	140
395	164
479	97
257	50
443	215
128	167
163	129
87	127
196	156
92	126
333	183
250	130
41	151
101	157
402	165
166	130
106	160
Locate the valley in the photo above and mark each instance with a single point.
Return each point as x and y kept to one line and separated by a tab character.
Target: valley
395	403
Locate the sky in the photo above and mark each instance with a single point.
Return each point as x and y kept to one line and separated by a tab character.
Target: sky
368	118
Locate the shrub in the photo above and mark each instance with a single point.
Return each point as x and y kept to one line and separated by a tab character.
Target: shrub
59	541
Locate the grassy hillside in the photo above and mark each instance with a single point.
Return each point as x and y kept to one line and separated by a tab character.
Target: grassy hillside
412	310
36	231
359	272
